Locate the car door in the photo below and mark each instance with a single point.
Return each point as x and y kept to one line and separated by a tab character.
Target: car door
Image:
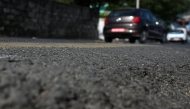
157	28
150	24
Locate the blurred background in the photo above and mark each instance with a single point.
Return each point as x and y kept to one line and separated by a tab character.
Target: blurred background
171	13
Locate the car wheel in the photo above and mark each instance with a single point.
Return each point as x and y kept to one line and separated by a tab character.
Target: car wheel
107	39
143	37
184	41
132	40
163	39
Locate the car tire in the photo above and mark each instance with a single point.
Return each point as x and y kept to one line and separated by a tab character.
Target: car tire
143	37
108	39
163	39
132	40
184	42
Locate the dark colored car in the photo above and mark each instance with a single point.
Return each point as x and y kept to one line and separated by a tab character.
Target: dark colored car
133	24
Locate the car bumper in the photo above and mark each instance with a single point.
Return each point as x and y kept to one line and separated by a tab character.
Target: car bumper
176	37
125	34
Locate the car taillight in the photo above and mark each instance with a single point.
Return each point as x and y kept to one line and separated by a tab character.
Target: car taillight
136	19
106	21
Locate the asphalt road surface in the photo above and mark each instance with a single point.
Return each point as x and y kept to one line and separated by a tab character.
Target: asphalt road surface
83	74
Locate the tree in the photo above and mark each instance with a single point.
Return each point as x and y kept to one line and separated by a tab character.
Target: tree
64	1
95	3
164	9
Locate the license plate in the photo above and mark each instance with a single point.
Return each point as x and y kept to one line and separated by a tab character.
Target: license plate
176	39
118	30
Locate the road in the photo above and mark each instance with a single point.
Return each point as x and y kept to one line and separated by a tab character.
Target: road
84	74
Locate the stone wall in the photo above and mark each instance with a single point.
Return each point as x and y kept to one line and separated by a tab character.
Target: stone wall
38	18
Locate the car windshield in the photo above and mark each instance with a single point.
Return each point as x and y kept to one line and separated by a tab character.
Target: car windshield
176	31
122	13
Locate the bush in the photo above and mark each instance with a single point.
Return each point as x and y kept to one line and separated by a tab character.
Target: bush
104	14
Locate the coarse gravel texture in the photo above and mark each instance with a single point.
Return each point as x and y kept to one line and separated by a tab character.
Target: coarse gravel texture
142	77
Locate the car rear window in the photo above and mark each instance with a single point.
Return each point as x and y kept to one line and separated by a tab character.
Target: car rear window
122	13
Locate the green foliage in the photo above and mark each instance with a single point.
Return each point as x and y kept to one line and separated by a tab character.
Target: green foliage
165	9
64	1
95	3
113	6
104	14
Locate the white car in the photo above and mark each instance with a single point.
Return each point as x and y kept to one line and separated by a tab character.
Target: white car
177	35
